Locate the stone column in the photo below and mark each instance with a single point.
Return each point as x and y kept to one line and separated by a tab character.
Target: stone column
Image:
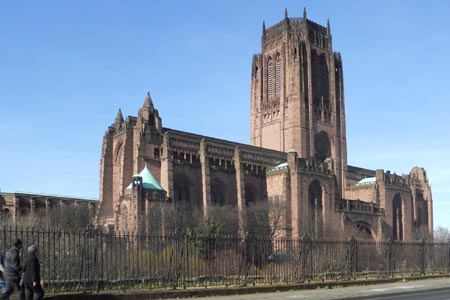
206	180
167	167
147	229
430	215
292	159
91	207
32	206
16	208
48	206
240	186
62	207
379	229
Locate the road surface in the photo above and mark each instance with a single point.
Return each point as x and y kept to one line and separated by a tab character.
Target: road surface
427	289
427	295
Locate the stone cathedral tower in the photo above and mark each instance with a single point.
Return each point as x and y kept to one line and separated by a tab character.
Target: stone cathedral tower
296	163
297	94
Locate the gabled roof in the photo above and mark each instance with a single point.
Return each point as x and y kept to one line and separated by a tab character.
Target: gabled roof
149	181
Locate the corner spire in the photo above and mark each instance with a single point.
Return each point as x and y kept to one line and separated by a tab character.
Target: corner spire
148	100
304	13
119	117
328	27
286	19
264	30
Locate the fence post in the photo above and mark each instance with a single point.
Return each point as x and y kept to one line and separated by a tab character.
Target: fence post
186	261
180	242
306	257
352	257
448	256
391	258
423	256
83	262
243	262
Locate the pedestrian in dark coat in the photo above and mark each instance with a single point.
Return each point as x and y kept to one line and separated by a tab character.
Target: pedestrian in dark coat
13	271
2	269
32	275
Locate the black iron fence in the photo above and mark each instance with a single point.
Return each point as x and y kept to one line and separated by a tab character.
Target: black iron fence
92	261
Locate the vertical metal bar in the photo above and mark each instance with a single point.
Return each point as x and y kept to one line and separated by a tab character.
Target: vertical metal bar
423	256
448	257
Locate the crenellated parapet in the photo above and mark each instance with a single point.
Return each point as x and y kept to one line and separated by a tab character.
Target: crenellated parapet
359	206
23	204
317	34
395	180
314	165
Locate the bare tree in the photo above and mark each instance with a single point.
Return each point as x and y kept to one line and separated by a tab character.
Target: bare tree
442	234
258	221
72	218
277	218
180	217
227	217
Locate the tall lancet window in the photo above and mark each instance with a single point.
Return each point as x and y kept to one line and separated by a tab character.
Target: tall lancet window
397	222
278	75
270	76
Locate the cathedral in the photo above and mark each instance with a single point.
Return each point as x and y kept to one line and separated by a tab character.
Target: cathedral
297	156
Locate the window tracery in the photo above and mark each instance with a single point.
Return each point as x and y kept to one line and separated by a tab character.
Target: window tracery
278	75
270	76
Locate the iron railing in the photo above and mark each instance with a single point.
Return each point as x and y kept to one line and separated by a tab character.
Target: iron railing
88	260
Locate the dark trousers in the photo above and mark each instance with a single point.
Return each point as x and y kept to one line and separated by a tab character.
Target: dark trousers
31	290
11	286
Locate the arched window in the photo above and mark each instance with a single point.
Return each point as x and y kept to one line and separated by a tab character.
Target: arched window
250	194
322	147
362	231
397	215
315	209
118	153
419	220
181	189
217	192
278	75
6	215
270	76
320	86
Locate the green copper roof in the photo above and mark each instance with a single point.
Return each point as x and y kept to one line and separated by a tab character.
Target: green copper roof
368	180
149	181
280	166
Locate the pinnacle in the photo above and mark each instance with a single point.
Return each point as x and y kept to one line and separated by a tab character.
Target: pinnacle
148	100
119	117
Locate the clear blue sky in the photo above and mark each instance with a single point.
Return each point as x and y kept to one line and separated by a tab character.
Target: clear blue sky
66	67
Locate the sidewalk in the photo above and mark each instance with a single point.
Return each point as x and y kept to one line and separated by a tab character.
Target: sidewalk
351	292
315	291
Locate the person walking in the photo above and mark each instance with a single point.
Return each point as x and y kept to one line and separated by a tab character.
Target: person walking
32	275
2	269
13	272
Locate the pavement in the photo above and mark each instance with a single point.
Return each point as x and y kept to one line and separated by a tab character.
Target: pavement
352	289
348	293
